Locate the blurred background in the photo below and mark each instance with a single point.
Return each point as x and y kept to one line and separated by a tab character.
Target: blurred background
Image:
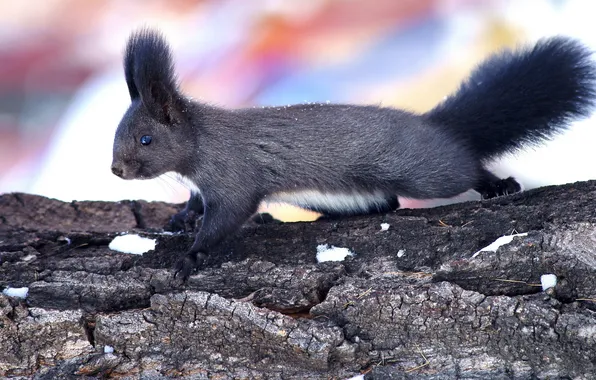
62	91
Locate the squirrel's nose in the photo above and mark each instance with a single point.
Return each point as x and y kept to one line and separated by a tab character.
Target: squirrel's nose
117	170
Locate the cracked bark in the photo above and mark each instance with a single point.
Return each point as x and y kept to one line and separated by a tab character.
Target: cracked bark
412	303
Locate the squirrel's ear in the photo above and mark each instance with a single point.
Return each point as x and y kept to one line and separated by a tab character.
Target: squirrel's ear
160	101
149	72
129	74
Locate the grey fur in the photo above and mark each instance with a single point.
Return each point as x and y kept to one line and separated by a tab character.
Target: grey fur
338	159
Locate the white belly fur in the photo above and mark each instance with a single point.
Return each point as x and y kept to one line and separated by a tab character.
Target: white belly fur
330	201
347	202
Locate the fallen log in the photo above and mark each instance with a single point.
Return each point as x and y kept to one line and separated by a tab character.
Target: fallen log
422	298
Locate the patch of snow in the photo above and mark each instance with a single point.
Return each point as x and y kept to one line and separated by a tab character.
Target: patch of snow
499	242
548	281
16	292
384	226
401	253
133	244
108	349
333	253
587	332
29	257
359	377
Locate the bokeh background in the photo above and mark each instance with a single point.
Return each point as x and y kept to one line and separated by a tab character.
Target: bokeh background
62	90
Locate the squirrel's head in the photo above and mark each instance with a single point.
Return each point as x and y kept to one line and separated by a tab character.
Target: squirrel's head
153	136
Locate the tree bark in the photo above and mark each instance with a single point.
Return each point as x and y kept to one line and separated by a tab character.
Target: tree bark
415	301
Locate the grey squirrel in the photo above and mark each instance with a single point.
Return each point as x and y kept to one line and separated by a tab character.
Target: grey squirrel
342	159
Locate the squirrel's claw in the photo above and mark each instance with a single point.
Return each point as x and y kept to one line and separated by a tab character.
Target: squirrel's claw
186	265
501	187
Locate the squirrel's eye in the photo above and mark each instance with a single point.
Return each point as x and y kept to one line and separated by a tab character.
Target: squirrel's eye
146	140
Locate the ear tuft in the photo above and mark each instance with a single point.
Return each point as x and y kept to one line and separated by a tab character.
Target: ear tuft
149	73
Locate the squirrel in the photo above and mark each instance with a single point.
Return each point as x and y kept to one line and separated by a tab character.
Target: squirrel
342	159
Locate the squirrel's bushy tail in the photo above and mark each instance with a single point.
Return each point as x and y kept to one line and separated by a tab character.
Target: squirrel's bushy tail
521	97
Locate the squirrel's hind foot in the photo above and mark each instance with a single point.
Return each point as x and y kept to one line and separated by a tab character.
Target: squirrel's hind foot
496	187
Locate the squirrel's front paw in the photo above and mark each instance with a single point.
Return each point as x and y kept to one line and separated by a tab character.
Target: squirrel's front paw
177	222
184	221
187	264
